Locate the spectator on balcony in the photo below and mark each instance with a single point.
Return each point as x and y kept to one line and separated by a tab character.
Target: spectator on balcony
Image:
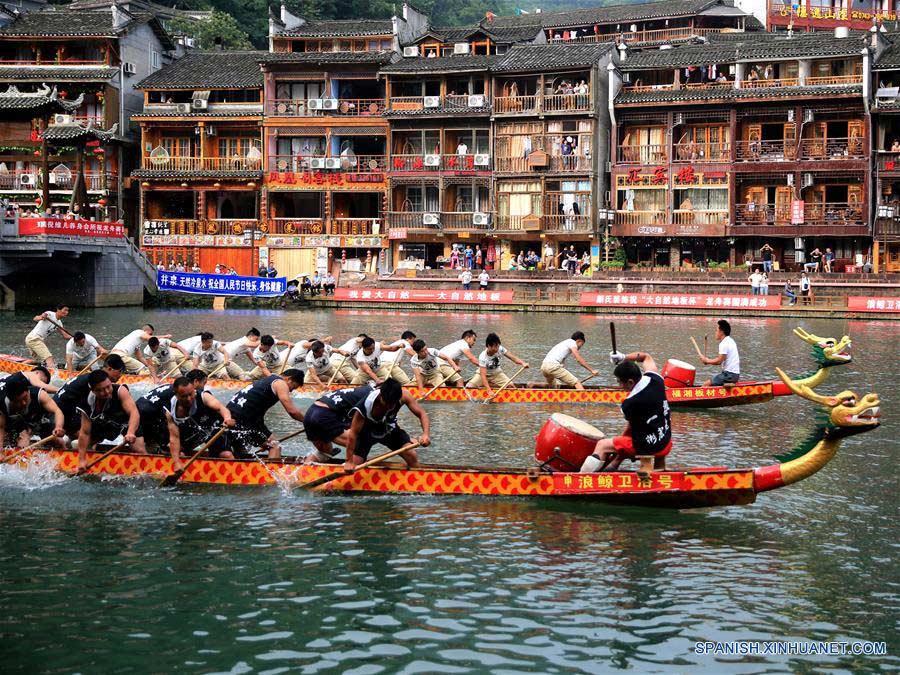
462	148
328	283
829	260
805	288
895	146
722	79
753	76
567	152
766	252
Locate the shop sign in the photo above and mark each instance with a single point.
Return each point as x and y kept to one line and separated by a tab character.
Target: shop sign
322	179
69	228
219	284
797	212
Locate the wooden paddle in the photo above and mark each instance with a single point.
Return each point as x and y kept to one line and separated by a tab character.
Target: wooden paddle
176	367
291	435
88	366
217	369
588	378
432	390
169	481
511	380
338	474
60	327
286	355
697	347
705	344
106	454
336	371
19	453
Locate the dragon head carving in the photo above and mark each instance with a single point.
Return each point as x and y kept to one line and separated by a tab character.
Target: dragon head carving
848	413
827	351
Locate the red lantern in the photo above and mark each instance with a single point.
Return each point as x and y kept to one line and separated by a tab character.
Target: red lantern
39	200
92	144
37	153
102	201
99	151
63	93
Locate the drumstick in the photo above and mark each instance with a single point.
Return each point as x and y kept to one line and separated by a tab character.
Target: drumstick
705	344
697	347
612	335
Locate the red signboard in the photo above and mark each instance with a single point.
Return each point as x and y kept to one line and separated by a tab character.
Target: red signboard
397	233
438	296
323	179
626	481
70	228
797	211
863	303
681	300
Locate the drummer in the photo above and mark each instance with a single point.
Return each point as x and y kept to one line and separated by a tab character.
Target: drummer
647	436
728	357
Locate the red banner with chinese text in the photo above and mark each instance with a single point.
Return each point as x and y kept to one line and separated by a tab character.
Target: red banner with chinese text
70	228
473	297
863	303
680	300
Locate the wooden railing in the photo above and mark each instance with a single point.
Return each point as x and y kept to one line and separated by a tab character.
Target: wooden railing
554	103
769	151
548	103
512	223
516	104
832	213
435	163
640	218
296	226
464	221
834	80
566	224
833	148
702	152
643	154
346	107
644	88
201	164
888	161
830	219
699	217
28	180
457	102
410	220
641	36
231	226
351	164
355	226
763	84
331	226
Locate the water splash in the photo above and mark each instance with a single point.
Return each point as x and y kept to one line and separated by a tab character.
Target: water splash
37	473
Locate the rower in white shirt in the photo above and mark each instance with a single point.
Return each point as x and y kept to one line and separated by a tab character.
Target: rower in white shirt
346	366
453	352
235	348
130	348
81	349
160	358
295	357
45	325
370	363
393	359
426	365
267	357
320	370
209	356
490	372
553	368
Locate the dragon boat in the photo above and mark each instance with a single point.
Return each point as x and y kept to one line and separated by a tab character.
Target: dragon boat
847	415
826	352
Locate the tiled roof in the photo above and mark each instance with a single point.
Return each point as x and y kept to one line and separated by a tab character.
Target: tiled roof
55	73
890	57
200	114
61	133
501	34
729	93
208	70
64	22
13	99
527	58
329	58
442	64
351	28
446	108
613	14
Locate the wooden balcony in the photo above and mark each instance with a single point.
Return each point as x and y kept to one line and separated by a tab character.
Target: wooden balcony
330	226
699	217
354	226
765	151
678	223
412	221
828	219
346	164
765	84
661	35
31	180
518	224
888	161
464	221
345	107
547	104
833	148
702	152
640	217
834	80
566	103
567	224
231	226
643	154
447	221
504	105
196	164
440	163
452	103
296	226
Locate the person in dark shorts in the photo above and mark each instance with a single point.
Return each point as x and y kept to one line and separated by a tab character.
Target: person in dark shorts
206	418
327	420
74	394
374	420
22	408
108	412
647	436
249	406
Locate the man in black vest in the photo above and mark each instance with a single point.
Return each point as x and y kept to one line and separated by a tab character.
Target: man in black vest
22	407
108	412
648	433
249	407
74	393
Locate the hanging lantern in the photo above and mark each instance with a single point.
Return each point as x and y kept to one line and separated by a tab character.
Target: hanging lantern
37	153
102	201
184	185
99	151
145	184
92	144
217	185
39	200
63	93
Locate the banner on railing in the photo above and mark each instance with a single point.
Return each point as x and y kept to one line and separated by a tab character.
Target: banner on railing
70	228
436	296
220	284
682	300
864	303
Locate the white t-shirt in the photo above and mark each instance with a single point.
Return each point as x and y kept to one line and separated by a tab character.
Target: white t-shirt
271	358
455	349
85	352
804	283
390	358
163	352
208	356
484	278
129	344
236	347
732	362
755	280
322	363
466	277
427	365
43	328
373	359
491	363
351	346
296	355
560	352
190	344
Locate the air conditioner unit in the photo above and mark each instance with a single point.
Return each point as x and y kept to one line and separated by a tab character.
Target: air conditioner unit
317	163
808	116
52	178
329	104
183	108
432	160
27	179
626	78
432	101
200	104
62	119
678	119
129	68
476	101
333	163
790	115
430	219
482	160
210	131
481	218
461	48
807	180
410	51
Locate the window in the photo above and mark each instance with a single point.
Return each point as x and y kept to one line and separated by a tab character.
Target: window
155	60
177	146
519	198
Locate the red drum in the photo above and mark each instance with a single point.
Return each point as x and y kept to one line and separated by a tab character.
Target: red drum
678	373
564	442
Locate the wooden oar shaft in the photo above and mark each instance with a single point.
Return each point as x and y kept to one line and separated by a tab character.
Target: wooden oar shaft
19	453
218	368
291	435
588	378
337	370
612	335
338	474
435	387
106	454
174	368
169	481
287	354
88	366
511	380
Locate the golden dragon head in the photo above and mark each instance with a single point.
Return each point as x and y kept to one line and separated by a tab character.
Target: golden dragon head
827	351
849	414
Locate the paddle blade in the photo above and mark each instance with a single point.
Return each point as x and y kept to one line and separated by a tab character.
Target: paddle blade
321	481
169	481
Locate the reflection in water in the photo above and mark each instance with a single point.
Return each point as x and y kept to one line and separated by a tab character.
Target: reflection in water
116	575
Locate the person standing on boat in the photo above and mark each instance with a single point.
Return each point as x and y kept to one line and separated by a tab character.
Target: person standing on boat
46	324
370	362
209	355
374	420
647	436
452	354
22	408
159	356
130	346
249	406
490	373
728	357
553	368
426	364
108	413
267	357
74	393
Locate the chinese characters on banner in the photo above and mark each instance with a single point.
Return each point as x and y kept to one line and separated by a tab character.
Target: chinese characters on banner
686	300
625	481
859	303
321	178
473	297
70	228
220	284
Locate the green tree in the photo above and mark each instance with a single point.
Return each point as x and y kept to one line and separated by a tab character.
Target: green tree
218	25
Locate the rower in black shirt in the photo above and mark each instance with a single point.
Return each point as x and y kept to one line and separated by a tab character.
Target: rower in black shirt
327	420
22	406
648	433
207	416
108	412
249	407
374	420
74	393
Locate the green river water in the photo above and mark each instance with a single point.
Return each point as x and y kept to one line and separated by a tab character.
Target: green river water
119	577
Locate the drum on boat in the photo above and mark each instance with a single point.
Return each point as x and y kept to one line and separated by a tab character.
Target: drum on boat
564	442
678	373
